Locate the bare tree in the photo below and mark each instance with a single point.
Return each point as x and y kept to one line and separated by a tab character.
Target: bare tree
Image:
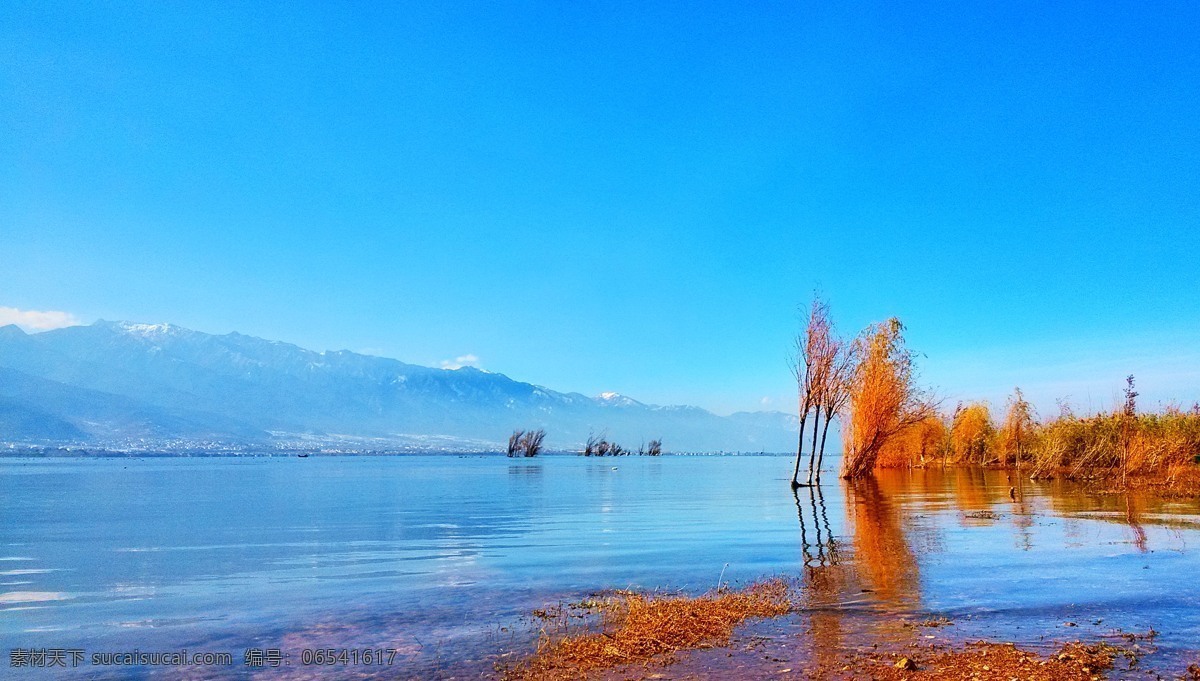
835	393
597	445
525	442
655	448
531	442
807	370
514	442
832	368
591	447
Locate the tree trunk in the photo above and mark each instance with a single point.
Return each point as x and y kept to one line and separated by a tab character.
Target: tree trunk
812	453
821	452
799	451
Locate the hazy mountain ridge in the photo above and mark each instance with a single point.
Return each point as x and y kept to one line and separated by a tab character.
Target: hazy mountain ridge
118	379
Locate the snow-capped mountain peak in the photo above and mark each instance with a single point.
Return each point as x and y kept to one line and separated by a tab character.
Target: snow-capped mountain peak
613	399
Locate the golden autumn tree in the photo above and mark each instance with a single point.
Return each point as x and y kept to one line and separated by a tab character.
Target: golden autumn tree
883	398
972	433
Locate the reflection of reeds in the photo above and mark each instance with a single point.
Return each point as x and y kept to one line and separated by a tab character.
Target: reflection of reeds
1131	517
1135	508
971	491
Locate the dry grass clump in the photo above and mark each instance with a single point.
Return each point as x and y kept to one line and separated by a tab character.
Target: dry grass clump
1075	661
639	628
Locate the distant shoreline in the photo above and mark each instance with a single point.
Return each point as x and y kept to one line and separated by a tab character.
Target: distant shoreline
13	451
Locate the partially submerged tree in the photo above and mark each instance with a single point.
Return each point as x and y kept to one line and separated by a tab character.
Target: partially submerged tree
531	442
883	397
809	369
835	389
599	445
825	348
591	447
525	442
514	442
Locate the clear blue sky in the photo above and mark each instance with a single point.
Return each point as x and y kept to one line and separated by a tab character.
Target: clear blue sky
635	198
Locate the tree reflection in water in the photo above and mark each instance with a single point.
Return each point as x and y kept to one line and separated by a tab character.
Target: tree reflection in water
870	590
825	579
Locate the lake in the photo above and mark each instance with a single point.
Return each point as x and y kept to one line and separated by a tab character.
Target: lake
438	560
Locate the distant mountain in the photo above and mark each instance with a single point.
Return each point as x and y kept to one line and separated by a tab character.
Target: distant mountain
119	381
33	408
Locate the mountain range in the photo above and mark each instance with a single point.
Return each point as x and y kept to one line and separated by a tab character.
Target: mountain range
127	385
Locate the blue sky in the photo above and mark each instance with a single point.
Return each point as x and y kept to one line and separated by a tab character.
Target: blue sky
631	198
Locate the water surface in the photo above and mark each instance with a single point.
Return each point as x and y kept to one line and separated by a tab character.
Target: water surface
439	558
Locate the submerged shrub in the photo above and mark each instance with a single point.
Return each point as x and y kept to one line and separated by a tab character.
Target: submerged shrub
526	442
531	442
598	445
514	442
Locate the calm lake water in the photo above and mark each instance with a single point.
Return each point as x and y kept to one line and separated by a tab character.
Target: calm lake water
441	558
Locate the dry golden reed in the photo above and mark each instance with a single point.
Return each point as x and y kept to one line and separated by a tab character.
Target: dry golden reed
639	628
1121	445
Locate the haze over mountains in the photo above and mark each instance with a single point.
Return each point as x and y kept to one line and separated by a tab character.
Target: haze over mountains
120	384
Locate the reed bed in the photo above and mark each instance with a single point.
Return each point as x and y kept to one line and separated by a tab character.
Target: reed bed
1163	447
1145	443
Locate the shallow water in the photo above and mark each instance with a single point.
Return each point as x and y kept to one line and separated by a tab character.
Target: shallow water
439	558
